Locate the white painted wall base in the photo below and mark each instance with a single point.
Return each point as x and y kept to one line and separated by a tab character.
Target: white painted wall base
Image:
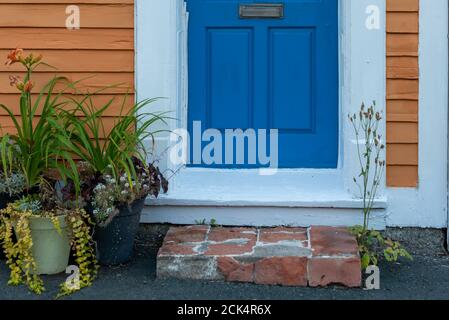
160	71
261	216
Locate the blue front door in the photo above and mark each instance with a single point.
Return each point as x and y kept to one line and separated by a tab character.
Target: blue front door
268	73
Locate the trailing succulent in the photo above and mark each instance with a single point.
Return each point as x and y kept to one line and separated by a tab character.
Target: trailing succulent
82	244
16	219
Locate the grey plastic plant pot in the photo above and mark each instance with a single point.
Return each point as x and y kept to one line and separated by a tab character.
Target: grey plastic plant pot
115	242
51	250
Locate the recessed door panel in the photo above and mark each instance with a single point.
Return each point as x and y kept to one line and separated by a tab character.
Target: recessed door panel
230	77
267	68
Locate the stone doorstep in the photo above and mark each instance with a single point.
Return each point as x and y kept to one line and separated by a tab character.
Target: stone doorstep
315	256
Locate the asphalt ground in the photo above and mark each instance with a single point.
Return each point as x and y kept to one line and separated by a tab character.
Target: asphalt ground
424	278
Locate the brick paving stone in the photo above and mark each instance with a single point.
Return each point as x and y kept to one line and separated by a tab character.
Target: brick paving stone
335	271
186	234
286	271
329	241
226	234
275	235
273	256
235	271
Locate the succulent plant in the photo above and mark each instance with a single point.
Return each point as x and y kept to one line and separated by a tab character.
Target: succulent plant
13	184
28	204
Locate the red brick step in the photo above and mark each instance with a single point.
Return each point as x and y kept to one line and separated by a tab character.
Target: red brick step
315	256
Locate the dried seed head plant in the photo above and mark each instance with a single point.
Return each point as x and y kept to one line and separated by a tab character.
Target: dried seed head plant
370	153
370	149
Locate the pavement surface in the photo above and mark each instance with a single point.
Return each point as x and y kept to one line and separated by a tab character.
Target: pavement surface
427	277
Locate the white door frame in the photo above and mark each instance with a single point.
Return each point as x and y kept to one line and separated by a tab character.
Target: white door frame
161	71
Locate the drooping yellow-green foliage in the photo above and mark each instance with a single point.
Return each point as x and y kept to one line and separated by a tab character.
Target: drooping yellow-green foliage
19	254
85	258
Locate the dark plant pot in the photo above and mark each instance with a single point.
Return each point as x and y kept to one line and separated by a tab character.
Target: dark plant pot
115	242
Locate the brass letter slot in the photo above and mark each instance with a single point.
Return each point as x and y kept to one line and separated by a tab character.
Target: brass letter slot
261	11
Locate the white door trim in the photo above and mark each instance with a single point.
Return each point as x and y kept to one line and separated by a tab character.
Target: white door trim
161	71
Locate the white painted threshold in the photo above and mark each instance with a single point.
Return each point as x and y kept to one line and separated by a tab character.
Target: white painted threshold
241	188
293	198
261	216
229	199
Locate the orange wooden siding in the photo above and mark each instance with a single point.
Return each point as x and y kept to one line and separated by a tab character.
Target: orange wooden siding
101	52
402	92
104	47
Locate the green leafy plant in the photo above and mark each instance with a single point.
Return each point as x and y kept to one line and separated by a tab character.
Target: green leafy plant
203	222
85	134
370	242
18	253
112	192
35	152
112	167
23	269
85	257
36	146
372	167
12	181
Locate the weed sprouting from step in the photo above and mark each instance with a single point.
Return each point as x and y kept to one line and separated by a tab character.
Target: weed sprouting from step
370	150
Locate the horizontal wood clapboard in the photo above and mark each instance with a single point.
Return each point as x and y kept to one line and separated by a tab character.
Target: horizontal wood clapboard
104	47
402	92
101	52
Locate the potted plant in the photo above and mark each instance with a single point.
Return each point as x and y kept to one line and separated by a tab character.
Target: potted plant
24	154
35	146
114	179
116	205
12	181
44	227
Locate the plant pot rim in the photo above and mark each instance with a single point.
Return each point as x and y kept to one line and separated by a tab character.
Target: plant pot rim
120	205
45	220
35	217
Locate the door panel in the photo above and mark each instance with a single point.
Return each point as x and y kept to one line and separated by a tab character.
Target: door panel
291	53
230	77
268	74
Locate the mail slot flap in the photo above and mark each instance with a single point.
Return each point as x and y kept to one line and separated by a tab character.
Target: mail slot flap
261	11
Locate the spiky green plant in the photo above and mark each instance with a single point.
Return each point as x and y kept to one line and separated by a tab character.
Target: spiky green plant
84	134
37	148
